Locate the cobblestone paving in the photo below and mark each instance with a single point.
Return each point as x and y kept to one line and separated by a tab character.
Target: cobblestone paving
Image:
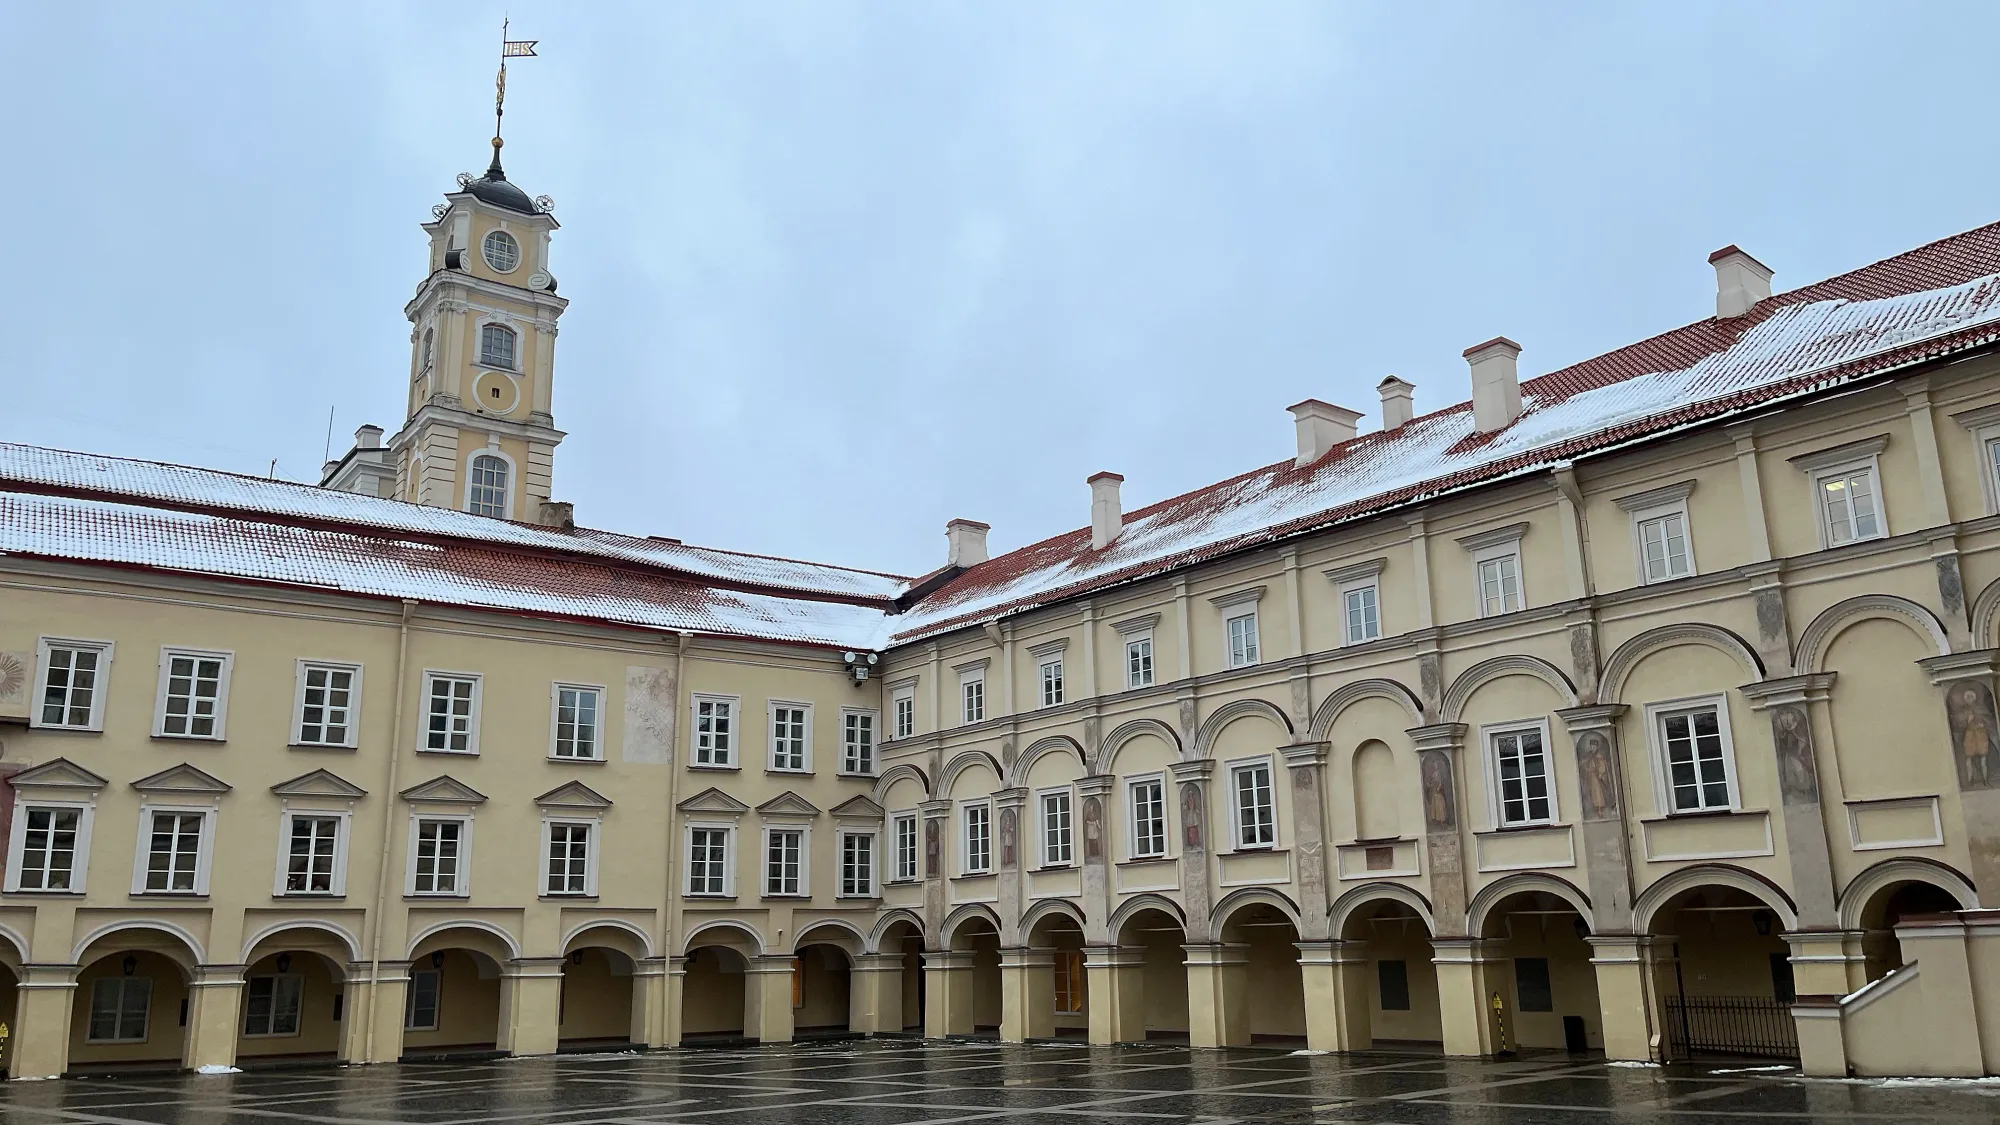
908	1083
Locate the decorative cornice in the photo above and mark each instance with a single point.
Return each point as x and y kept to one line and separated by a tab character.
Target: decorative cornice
1656	497
1840	454
1810	688
1494	537
1250	596
1355	571
1138	624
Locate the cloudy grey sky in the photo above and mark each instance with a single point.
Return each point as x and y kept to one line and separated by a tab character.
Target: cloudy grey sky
841	272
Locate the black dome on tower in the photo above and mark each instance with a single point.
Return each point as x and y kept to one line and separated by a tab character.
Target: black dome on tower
494	188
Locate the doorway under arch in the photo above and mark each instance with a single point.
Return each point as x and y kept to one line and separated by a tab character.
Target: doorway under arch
1400	978
132	1003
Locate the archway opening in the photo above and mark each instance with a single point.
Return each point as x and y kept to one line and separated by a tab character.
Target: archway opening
1064	990
1400	978
822	990
977	937
597	1006
451	1006
1727	976
1547	979
132	1004
294	1006
904	940
1163	972
1276	984
713	994
1890	905
10	983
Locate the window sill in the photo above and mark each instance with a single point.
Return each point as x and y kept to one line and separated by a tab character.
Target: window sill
185	896
320	746
55	728
78	893
788	772
1256	849
794	897
857	898
567	898
269	1036
313	896
1141	860
867	776
1535	826
438	896
708	898
560	760
969	876
449	753
156	736
718	766
1048	867
895	882
1700	814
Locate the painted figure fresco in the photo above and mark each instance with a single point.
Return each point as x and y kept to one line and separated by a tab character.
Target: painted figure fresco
1593	765
1093	830
1007	831
1969	704
1191	816
1437	790
933	859
1798	780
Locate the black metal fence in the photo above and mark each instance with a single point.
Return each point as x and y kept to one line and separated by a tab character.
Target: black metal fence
1730	1025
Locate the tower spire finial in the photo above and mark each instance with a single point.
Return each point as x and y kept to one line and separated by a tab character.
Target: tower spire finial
509	49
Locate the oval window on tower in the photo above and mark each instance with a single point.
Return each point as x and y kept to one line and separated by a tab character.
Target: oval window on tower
502	252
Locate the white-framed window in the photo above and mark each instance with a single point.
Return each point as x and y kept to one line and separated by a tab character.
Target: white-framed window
1694	755
903	706
1665	551
314	847
1499	584
440	856
857	864
1523	789
451	712
791	737
709	872
1241	629
1253	804
972	697
1850	507
1058	846
193	698
49	847
425	998
271	1005
328	705
857	742
1147	800
977	854
1360	604
486	486
121	1010
176	849
570	857
72	677
1051	670
500	251
498	346
785	862
1139	661
577	717
903	828
715	730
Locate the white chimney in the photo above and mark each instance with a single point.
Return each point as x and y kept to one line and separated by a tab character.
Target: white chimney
1107	513
368	437
1740	282
1496	383
965	542
1398	403
1321	425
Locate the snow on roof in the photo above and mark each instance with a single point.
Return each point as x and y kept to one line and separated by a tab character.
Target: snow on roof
458	573
209	490
1933	300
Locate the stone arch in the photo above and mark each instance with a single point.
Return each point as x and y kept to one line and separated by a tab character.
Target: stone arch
893	774
1367	894
963	915
1834	619
1107	751
1349	694
948	776
1050	908
851	940
1053	744
1473	678
1646	908
1204	739
1612	683
507	941
347	940
757	945
15	946
1138	903
639	940
1904	869
1500	890
1255	896
887	921
190	944
1986	615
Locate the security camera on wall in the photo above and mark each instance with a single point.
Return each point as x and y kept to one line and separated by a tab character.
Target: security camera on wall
860	664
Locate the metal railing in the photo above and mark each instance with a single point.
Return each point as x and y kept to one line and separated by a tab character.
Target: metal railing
1759	1026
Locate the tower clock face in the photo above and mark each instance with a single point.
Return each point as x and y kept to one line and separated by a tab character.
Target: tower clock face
501	251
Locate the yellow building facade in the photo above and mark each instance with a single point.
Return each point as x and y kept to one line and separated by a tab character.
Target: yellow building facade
1645	707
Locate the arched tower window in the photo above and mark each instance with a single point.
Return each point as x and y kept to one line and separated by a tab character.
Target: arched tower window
429	353
496	346
486	490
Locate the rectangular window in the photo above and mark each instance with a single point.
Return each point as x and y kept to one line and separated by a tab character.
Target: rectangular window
310	861
173	852
1139	662
1521	768
328	697
194	687
1531	984
577	710
1057	846
714	731
420	1010
708	850
1697	760
1052	682
973	693
1364	612
1243	639
1499	585
451	721
49	841
1663	547
1848	507
1149	818
1393	980
1069	982
857	864
120	1009
440	861
72	684
791	730
857	742
978	839
1256	816
906	713
271	1004
569	859
784	860
906	848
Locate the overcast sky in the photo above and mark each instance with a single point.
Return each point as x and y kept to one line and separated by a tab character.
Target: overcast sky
841	272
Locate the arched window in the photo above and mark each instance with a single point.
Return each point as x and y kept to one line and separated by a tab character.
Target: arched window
496	346
486	490
429	352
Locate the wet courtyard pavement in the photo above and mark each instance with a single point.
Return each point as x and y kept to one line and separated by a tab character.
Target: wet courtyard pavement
910	1083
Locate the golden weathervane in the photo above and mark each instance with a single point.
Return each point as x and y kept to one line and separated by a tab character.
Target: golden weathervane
509	49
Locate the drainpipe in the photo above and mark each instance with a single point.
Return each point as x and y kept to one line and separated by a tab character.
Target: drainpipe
682	640
388	829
